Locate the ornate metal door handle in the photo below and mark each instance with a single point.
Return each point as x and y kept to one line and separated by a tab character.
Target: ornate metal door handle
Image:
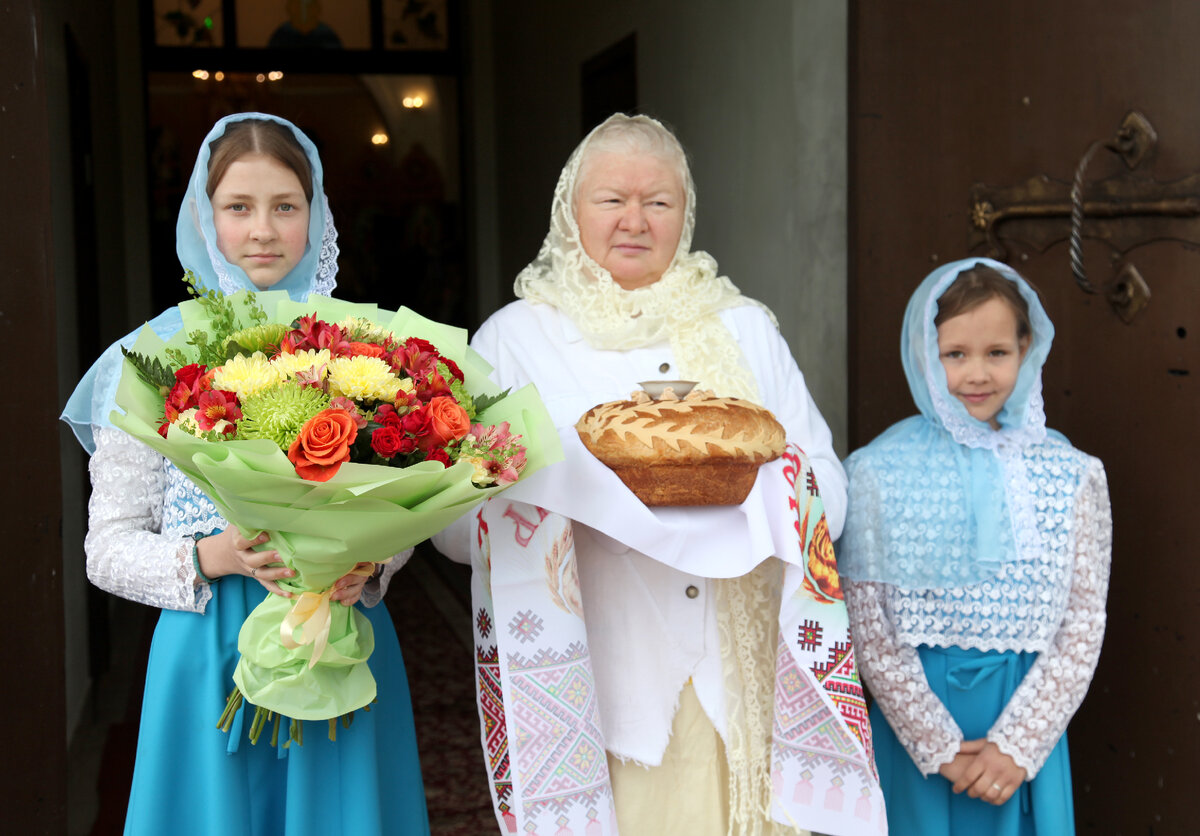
1124	211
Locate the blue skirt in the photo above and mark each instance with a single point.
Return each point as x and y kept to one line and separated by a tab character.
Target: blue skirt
191	779
975	686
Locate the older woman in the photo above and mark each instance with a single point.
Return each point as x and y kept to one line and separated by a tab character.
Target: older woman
658	674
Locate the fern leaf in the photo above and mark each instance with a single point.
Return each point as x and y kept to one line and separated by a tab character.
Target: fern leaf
151	370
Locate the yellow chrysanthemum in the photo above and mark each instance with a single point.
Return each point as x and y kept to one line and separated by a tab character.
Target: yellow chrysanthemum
302	361
363	379
245	375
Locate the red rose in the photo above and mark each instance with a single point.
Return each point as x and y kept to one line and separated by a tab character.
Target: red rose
418	422
438	455
387	416
191	376
387	441
448	422
455	371
323	445
420	345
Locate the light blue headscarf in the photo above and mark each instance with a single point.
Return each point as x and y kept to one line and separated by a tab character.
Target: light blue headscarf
941	500
196	245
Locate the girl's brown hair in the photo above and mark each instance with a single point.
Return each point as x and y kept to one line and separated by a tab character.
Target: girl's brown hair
257	136
977	285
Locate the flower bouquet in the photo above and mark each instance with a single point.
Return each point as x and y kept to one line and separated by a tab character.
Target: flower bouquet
346	432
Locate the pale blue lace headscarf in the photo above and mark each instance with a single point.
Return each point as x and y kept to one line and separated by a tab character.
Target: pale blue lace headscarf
196	245
941	500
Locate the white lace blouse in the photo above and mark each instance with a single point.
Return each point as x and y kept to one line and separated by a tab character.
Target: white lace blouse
1053	606
141	518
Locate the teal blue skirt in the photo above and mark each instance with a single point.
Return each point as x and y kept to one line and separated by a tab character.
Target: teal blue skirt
191	779
975	686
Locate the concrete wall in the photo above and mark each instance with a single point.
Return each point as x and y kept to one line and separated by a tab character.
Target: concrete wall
756	93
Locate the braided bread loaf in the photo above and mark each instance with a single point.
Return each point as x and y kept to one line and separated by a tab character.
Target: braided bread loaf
701	450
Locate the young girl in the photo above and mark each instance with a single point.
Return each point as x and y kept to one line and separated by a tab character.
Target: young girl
975	565
254	217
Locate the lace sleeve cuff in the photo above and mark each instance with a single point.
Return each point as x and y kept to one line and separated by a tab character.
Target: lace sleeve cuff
377	587
127	554
1038	712
894	673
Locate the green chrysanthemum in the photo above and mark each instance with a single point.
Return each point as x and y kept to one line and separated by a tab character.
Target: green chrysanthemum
363	379
280	412
360	330
459	390
256	338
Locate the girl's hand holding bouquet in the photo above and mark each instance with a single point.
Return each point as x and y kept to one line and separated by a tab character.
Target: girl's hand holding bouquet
333	435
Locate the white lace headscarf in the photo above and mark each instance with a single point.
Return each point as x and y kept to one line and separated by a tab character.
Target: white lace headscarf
680	308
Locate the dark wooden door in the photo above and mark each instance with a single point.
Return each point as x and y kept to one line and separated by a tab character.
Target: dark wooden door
944	95
33	787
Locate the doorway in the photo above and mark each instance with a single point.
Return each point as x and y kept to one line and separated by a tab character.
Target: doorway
948	95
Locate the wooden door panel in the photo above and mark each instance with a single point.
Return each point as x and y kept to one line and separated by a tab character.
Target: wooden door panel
947	94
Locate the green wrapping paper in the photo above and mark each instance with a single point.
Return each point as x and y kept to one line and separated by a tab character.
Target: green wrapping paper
365	512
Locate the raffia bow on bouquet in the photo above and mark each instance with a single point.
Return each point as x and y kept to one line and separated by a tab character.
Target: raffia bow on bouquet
341	455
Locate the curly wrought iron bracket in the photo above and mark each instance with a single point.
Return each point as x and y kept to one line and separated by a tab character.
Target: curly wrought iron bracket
1124	211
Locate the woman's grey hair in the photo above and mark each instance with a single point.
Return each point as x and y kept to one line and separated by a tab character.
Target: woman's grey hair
623	134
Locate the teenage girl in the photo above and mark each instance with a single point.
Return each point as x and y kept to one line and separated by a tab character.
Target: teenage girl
254	217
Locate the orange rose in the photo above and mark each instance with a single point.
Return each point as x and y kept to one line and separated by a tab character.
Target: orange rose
366	350
323	444
448	422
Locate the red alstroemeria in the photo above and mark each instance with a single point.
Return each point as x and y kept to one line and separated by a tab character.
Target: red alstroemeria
178	399
406	401
431	386
217	405
206	380
308	332
419	358
416	358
